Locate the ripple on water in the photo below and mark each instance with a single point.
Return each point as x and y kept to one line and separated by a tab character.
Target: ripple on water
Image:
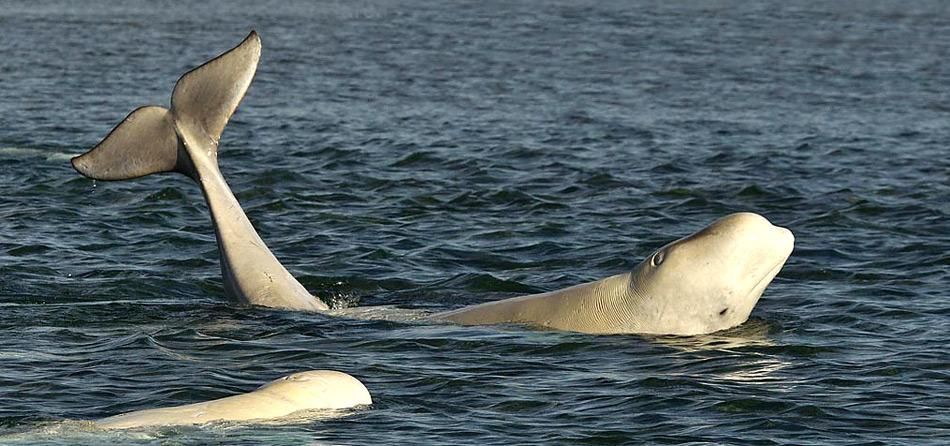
404	160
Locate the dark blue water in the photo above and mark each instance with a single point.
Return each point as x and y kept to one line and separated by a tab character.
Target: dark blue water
429	155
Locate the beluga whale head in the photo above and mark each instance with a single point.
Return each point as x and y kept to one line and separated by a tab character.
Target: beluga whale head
702	283
710	280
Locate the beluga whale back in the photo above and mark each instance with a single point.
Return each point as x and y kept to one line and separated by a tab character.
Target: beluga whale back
312	390
184	138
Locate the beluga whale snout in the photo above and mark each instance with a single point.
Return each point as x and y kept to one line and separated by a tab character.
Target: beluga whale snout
184	138
311	390
705	282
712	279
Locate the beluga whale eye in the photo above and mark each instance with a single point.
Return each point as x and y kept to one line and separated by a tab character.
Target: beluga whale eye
657	258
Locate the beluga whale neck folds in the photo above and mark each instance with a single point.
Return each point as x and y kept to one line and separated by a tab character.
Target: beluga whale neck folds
184	138
313	390
702	283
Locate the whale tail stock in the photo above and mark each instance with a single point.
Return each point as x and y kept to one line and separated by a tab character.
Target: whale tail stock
184	138
154	139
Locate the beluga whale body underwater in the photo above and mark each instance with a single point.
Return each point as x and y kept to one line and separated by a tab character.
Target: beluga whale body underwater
312	390
702	283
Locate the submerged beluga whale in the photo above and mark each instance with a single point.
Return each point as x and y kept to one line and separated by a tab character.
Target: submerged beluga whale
312	390
702	283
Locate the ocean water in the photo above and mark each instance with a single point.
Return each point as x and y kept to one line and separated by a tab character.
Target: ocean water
422	156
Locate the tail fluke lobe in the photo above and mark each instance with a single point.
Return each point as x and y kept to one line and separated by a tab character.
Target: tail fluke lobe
205	98
144	143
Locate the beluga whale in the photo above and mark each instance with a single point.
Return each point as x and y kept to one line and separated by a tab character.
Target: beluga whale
184	138
311	390
705	282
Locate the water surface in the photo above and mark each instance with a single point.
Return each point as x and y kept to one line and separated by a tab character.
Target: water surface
430	155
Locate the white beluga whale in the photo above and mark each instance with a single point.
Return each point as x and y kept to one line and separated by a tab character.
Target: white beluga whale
706	282
184	139
303	391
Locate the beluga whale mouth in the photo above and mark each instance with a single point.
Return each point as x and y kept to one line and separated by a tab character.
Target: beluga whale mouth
702	283
184	138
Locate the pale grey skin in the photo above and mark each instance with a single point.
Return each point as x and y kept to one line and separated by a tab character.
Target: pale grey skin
706	282
185	139
312	390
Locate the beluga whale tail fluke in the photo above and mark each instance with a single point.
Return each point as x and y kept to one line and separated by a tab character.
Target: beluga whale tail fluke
184	138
